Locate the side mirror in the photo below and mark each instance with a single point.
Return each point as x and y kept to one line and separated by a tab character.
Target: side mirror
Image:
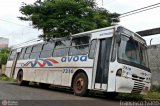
118	38
131	38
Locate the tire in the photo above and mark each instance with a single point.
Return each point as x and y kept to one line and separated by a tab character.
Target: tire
110	95
44	86
80	85
20	80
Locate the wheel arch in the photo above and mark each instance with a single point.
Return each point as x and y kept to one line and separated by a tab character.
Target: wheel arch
18	72
76	73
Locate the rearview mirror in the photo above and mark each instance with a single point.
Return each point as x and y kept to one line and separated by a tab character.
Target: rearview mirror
118	38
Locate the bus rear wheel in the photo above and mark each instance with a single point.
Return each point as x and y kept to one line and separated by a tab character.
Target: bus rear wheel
80	84
20	80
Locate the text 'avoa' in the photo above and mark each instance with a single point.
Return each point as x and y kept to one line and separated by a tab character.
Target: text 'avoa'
74	58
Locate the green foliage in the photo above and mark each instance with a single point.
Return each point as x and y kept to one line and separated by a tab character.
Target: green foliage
59	18
4	78
155	88
128	97
153	95
4	56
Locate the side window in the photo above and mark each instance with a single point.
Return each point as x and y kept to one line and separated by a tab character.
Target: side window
48	46
62	43
29	49
92	49
22	53
47	50
61	47
12	54
28	52
36	51
80	45
37	48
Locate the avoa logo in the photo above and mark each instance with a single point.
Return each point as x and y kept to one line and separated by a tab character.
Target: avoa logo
74	58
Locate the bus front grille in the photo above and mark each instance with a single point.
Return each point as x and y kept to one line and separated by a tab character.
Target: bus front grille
138	87
137	78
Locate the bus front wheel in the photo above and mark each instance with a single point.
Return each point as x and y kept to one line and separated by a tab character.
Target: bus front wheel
80	84
20	80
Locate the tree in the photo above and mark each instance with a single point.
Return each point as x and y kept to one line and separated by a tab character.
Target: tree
59	18
4	56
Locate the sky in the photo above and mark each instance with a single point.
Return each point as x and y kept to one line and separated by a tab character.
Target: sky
9	11
137	22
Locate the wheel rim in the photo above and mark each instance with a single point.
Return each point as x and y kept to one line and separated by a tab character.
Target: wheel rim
79	84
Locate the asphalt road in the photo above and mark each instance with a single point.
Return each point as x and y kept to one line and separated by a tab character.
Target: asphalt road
35	96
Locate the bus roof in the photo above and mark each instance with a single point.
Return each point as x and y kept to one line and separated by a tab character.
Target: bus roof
74	35
96	30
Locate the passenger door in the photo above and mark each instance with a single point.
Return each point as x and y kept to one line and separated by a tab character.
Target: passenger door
103	60
15	62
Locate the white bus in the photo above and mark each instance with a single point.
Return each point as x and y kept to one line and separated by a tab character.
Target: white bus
112	59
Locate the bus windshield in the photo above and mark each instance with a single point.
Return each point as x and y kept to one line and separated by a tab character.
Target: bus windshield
132	52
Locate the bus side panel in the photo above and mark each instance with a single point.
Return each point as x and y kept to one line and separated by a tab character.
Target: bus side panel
8	68
66	75
28	74
40	75
54	76
58	71
112	76
48	75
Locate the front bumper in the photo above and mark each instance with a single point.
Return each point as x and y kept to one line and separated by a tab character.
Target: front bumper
128	85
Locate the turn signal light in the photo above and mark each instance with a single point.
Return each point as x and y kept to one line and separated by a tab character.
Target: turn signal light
119	72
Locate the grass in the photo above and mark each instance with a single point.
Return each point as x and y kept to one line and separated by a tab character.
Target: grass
4	78
153	94
128	97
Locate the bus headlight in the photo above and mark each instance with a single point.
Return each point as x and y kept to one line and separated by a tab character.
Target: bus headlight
119	72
